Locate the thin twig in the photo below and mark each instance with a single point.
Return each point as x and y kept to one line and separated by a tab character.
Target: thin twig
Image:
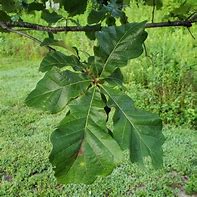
192	16
92	28
153	11
145	50
191	33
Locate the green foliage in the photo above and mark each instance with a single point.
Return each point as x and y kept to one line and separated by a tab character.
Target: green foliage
157	3
180	9
74	7
191	185
82	147
90	91
56	89
117	46
4	16
82	141
50	17
59	60
164	82
24	148
10	6
140	130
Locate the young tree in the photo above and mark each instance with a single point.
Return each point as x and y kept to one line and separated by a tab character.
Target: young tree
91	92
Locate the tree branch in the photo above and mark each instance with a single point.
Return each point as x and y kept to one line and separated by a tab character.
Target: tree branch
92	28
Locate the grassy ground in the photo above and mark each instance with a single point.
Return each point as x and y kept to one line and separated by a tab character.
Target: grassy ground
24	149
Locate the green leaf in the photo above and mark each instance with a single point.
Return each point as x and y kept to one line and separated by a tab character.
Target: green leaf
35	6
110	21
9	6
116	78
4	16
50	17
96	16
82	147
114	8
56	89
58	59
135	129
117	45
59	43
75	7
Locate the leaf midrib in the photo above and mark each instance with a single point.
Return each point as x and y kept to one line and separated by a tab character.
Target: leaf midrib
62	87
128	119
119	41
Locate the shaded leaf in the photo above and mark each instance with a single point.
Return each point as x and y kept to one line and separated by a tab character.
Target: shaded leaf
91	34
184	10
116	78
9	6
58	59
4	16
110	21
35	6
135	129
114	8
75	7
82	147
96	16
56	89
117	45
50	17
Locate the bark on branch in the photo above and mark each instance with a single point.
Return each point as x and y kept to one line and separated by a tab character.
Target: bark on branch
92	28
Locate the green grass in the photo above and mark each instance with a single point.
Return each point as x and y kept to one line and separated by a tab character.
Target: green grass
24	148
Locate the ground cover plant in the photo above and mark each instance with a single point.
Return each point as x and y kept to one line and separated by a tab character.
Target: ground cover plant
98	74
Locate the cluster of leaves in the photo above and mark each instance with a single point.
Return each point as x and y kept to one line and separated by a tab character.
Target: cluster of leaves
91	94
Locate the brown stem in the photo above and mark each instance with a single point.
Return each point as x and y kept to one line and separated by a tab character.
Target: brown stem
92	28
